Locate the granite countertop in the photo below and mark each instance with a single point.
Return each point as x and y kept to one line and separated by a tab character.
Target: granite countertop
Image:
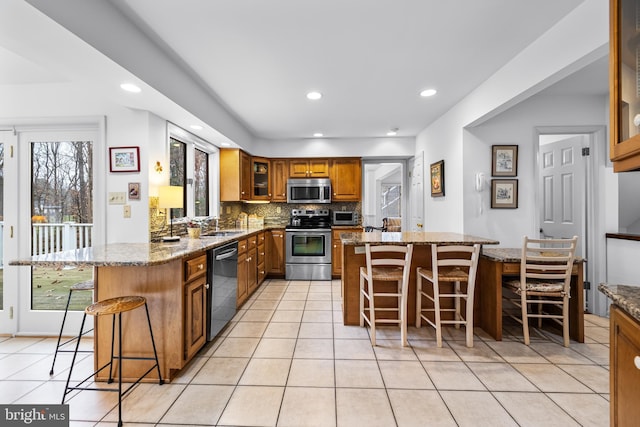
134	254
625	296
417	238
509	254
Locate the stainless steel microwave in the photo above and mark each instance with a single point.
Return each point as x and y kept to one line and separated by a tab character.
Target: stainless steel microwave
345	218
309	190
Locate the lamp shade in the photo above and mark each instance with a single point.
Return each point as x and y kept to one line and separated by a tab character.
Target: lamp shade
170	197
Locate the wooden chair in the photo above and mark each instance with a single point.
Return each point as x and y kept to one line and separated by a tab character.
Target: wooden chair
544	282
452	265
392	224
381	267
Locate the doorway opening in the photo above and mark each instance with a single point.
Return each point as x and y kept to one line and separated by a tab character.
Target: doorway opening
383	194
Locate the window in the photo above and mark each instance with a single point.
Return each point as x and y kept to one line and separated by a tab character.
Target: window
177	169
201	183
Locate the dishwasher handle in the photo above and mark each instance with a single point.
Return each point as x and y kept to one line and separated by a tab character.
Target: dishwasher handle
226	255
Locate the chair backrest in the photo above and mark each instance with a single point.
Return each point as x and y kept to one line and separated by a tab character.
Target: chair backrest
462	257
375	258
547	260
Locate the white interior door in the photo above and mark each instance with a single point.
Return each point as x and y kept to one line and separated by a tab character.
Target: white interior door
416	199
8	242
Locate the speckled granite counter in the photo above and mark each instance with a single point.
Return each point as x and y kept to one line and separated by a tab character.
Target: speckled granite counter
417	238
133	254
625	296
508	254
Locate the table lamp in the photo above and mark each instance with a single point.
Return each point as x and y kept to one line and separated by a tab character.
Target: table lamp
170	197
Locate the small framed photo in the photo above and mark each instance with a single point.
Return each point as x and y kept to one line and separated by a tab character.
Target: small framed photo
134	191
504	160
124	159
437	179
504	193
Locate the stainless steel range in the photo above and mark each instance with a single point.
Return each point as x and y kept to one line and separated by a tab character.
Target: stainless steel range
308	245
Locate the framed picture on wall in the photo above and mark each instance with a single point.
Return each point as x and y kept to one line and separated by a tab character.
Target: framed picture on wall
504	193
504	160
124	159
134	191
437	179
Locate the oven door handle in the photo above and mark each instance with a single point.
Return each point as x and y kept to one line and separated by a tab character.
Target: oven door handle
226	255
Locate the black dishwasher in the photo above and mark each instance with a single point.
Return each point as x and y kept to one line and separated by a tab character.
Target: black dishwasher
223	287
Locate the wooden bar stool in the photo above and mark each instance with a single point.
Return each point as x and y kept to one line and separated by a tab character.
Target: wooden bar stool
82	286
115	306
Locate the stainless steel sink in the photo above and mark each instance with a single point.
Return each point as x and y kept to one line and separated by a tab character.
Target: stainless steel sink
222	233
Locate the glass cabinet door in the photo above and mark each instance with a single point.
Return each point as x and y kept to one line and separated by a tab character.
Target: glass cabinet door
260	179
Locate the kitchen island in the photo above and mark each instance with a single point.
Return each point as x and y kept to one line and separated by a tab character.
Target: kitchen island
172	276
353	258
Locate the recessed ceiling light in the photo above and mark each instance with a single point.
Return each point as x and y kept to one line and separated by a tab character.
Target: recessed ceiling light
318	134
428	92
314	96
392	132
225	144
130	87
196	127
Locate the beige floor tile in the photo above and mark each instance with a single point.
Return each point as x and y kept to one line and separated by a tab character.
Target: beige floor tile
16	362
480	352
384	332
588	409
318	296
275	348
311	373
237	347
404	375
597	320
476	409
534	409
320	287
317	316
419	408
559	354
315	330
265	305
221	371
270	295
598	353
500	377
308	407
248	329
344	331
10	391
253	406
15	345
597	333
266	372
393	350
594	377
147	403
294	296
358	373
314	349
187	373
92	405
516	352
287	316
428	351
189	407
282	330
421	333
292	305
318	305
257	316
48	392
363	407
550	378
353	349
452	376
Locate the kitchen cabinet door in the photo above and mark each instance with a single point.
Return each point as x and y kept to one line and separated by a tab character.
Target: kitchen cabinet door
235	175
275	253
336	248
279	176
346	180
625	368
308	168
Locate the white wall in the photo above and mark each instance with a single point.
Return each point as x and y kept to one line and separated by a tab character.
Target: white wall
337	147
518	126
622	262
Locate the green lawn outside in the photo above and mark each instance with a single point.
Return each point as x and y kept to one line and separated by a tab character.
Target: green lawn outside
51	288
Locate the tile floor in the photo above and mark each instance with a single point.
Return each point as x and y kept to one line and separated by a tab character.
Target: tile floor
287	360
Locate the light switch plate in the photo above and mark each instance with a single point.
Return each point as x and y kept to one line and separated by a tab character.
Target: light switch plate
117	198
126	211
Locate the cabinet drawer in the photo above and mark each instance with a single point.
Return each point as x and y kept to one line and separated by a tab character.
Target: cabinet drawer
262	272
242	246
261	253
252	242
195	267
511	268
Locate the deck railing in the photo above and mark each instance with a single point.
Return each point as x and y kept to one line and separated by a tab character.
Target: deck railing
47	238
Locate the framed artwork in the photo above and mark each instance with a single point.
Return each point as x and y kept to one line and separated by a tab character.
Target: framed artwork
134	191
124	159
504	160
437	179
504	193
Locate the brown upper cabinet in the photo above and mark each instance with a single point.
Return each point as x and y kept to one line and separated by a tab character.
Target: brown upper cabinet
235	174
279	176
260	179
346	179
624	73
309	168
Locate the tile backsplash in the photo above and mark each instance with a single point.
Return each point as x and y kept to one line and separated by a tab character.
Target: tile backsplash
275	214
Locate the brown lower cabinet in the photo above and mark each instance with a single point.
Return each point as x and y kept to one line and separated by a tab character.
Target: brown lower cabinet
195	297
336	248
275	253
625	368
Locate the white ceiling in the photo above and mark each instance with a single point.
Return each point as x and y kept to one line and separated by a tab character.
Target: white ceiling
370	59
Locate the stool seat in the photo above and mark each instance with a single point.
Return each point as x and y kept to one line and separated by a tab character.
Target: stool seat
115	305
87	285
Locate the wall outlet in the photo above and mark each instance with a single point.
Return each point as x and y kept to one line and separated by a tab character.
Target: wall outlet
278	209
126	211
117	198
228	209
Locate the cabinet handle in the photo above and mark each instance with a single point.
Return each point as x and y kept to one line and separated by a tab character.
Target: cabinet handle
249	259
636	361
200	266
206	286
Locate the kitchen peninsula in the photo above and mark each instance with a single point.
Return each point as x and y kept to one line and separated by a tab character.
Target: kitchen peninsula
173	279
353	258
